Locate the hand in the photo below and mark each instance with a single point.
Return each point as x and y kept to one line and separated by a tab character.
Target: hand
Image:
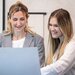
48	70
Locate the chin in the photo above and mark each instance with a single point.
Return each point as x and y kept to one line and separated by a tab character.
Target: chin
55	37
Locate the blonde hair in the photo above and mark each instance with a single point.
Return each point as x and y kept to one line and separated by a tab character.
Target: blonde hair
65	24
18	6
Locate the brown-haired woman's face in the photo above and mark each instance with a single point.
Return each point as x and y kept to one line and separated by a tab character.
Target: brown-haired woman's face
18	21
54	28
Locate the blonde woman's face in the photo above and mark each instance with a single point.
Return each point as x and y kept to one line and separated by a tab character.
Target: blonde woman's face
18	21
54	28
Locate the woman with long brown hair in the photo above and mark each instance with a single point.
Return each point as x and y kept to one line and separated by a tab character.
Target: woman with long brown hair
61	57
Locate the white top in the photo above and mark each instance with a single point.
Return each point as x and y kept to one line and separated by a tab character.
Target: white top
18	43
66	63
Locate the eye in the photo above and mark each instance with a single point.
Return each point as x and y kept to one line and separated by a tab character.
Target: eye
14	19
56	25
22	19
50	24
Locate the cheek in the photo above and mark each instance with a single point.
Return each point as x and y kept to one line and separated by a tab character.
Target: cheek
58	29
49	28
24	22
13	22
60	32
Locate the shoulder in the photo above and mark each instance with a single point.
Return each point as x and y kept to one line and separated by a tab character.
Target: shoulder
72	41
6	33
35	36
73	38
71	45
38	37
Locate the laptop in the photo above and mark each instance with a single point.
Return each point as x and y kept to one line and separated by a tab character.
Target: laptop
19	61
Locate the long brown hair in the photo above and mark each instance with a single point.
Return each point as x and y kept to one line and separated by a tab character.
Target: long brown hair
65	24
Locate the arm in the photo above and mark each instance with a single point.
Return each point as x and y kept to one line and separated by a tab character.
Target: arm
41	50
62	65
48	70
66	62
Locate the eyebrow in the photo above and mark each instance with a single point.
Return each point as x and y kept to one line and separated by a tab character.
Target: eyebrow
53	24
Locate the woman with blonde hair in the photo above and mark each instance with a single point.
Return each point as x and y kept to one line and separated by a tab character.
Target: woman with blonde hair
61	58
18	33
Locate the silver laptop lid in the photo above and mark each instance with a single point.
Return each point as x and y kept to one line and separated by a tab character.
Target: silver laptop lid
19	61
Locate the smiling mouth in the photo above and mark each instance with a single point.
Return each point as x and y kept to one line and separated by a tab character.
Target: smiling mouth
54	32
18	26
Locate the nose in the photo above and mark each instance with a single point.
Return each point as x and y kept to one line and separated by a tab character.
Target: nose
18	22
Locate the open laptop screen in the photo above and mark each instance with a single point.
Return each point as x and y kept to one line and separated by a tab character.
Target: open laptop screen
19	61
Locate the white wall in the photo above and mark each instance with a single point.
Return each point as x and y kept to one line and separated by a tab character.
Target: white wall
46	6
36	24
